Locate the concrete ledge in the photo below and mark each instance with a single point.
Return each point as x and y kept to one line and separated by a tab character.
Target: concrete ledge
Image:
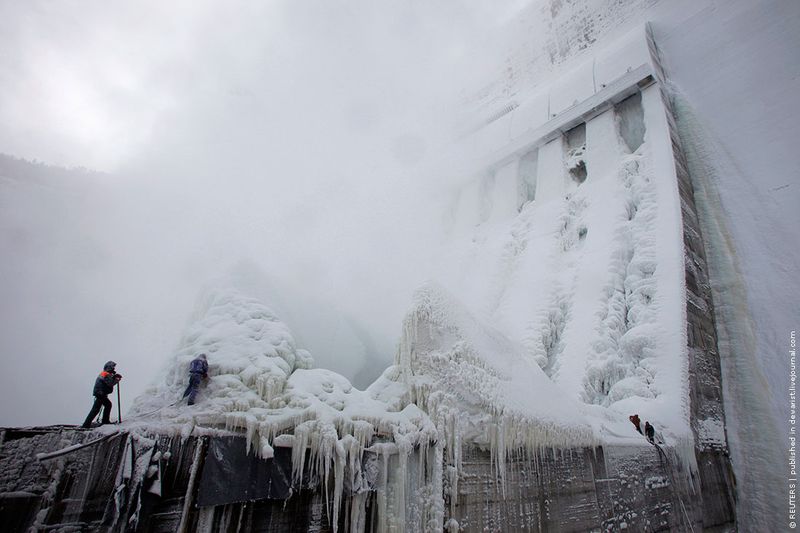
604	99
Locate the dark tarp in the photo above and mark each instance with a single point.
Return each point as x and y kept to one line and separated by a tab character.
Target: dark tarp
232	475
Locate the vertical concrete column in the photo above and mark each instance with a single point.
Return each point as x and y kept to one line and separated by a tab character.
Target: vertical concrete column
602	147
551	171
504	192
526	177
666	227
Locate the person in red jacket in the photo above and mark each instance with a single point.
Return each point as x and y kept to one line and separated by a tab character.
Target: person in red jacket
637	422
103	386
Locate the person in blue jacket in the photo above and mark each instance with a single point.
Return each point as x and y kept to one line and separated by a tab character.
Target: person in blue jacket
198	371
103	386
650	432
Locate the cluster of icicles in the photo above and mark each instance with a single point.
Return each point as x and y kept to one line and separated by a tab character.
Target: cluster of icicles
410	468
400	462
400	440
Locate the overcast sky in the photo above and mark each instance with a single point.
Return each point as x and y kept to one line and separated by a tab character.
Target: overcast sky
102	84
281	141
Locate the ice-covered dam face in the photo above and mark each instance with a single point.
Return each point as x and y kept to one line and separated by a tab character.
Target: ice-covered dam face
576	239
573	248
578	296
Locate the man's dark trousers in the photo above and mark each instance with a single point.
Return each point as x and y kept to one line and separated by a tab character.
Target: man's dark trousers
194	382
99	402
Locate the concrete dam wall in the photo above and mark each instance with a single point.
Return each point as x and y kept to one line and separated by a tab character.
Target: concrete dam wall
169	483
606	170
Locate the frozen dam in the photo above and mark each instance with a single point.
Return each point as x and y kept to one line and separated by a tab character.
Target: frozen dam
506	408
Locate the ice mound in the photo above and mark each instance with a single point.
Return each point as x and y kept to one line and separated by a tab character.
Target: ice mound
262	385
477	385
260	382
251	355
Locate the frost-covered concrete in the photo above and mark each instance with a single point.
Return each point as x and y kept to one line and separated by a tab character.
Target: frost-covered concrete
588	276
134	481
731	69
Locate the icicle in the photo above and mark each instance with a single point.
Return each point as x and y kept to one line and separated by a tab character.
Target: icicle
400	477
358	512
339	459
435	509
323	445
155	486
127	461
299	446
382	495
500	451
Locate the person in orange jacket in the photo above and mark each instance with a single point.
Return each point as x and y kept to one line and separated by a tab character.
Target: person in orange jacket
103	386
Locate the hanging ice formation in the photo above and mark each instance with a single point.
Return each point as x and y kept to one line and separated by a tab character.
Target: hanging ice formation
454	381
262	386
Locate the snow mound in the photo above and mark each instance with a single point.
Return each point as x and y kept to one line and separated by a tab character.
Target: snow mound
251	355
262	385
260	382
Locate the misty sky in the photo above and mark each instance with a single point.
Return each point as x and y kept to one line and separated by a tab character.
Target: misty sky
107	85
277	146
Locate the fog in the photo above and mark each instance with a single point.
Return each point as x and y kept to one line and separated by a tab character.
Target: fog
284	148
